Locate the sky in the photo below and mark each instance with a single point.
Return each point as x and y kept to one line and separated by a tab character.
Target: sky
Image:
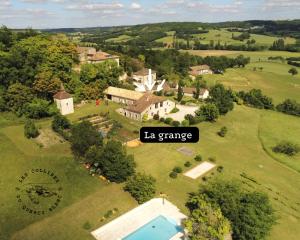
94	13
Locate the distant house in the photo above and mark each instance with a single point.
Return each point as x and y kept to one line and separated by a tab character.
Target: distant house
64	102
90	55
142	75
200	70
149	105
121	95
188	91
145	81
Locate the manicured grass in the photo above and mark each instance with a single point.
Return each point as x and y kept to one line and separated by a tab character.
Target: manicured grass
240	151
271	135
86	198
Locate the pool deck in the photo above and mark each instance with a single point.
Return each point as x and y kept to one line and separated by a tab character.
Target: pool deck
138	217
199	170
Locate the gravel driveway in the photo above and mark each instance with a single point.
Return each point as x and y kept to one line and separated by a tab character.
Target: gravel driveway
183	110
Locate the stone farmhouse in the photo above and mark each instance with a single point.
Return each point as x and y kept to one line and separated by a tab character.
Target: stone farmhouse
90	55
138	105
120	95
199	70
64	102
190	91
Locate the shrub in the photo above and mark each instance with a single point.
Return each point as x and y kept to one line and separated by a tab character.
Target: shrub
187	164
30	130
220	169
175	110
60	122
136	131
193	119
198	158
168	120
255	98
289	107
223	132
183	102
87	225
177	169
145	117
204	178
185	123
208	112
212	159
173	175
176	123
162	119
286	148
156	117
38	108
141	187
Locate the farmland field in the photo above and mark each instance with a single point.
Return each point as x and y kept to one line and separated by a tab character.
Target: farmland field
225	37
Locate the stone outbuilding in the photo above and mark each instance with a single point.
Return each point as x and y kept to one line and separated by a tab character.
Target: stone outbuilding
64	101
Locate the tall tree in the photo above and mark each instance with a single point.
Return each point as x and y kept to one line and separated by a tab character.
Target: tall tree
205	222
114	162
180	92
222	98
84	135
250	213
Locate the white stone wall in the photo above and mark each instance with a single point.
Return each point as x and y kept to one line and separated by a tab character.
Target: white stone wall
65	106
162	110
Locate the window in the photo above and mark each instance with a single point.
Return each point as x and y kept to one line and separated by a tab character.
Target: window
156	105
161	104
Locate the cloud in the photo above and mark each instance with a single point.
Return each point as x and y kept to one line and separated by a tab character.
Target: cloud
5	3
282	3
95	6
135	6
43	1
234	7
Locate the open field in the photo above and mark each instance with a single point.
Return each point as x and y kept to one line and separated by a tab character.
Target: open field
121	38
255	56
225	37
274	80
244	150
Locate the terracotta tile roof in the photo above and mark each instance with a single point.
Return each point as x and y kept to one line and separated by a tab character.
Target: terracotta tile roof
88	50
102	56
200	67
62	94
144	102
191	90
123	93
143	72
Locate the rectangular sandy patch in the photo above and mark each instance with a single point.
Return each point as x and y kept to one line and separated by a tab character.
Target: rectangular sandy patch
199	170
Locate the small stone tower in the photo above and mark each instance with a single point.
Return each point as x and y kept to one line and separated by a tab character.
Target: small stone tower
64	101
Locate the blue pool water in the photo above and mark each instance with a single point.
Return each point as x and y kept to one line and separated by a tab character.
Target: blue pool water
159	228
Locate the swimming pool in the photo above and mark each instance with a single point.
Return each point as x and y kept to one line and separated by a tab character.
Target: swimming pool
160	228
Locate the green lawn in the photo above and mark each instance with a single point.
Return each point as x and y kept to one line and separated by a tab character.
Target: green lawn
274	80
246	148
